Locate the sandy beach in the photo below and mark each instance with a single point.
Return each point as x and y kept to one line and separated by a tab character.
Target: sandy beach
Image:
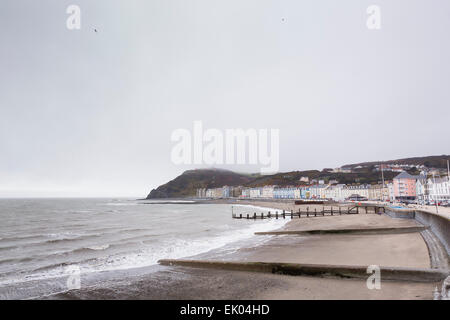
398	250
404	250
200	284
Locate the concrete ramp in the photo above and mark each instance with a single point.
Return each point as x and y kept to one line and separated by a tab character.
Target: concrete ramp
293	269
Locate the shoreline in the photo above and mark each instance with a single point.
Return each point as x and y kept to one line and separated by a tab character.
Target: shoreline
405	250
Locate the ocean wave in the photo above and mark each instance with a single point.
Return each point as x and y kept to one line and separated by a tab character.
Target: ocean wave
170	202
19	238
257	207
44	256
181	248
98	248
146	250
92	248
64	240
44	242
8	248
133	230
121	204
16	260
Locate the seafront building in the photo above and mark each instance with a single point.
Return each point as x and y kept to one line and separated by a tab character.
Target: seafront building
422	190
226	192
391	191
335	192
338	192
245	193
433	190
318	191
404	187
214	193
221	192
361	190
439	189
236	192
255	192
201	193
284	193
267	192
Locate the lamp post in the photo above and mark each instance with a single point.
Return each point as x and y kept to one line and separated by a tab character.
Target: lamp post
448	178
435	194
382	178
448	171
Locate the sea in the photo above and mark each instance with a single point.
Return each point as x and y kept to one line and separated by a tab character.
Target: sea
45	243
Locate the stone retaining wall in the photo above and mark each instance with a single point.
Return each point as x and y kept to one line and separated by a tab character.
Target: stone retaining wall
439	225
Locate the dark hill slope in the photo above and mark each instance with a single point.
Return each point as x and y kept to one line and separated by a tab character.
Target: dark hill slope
186	184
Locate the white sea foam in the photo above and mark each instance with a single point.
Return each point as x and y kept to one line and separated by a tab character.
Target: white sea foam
169	201
257	207
180	248
101	247
182	242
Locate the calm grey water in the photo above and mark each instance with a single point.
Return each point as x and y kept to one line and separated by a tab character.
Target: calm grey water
41	239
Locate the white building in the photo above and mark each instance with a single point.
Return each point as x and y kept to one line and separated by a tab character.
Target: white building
422	192
391	191
433	189
318	191
267	192
335	192
201	193
378	192
362	190
214	193
439	189
245	193
227	192
255	193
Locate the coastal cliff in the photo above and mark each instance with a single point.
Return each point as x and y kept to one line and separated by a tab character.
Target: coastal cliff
186	184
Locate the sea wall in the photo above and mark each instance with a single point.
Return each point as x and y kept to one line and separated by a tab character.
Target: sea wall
438	224
321	270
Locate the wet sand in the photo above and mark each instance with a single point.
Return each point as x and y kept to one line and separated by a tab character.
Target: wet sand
393	250
200	284
348	221
402	250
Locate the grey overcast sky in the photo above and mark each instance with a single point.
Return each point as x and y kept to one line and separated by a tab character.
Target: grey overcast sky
86	113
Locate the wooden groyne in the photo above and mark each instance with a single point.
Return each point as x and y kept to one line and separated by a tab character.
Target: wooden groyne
309	212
